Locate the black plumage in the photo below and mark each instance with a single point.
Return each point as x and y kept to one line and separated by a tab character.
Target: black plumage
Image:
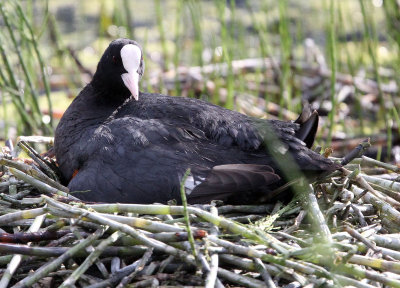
118	149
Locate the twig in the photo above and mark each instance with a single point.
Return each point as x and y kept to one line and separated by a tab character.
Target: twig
386	210
239	279
45	252
264	273
38	159
78	63
356	152
359	237
316	215
143	261
211	279
16	260
25	237
36	173
40	185
53	265
124	228
91	259
24	214
364	184
178	210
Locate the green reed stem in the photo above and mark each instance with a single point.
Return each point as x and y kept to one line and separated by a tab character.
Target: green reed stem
186	213
262	33
4	106
161	31
11	75
26	118
146	78
369	27
196	16
285	38
128	19
35	45
333	60
10	85
178	44
227	54
396	118
28	78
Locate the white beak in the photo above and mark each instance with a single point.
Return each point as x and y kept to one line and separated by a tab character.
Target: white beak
131	81
131	56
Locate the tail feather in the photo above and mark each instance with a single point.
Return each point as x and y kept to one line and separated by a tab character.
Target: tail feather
308	125
305	114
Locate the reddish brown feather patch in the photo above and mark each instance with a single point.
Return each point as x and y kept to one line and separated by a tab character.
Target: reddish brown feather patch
75	172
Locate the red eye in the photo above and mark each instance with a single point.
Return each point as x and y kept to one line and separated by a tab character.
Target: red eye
114	59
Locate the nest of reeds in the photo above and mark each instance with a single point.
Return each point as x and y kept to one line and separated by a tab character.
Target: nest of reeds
343	231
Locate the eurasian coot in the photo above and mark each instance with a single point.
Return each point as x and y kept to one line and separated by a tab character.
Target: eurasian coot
112	147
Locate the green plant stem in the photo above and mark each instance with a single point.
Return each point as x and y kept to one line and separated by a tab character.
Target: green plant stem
161	31
178	44
186	213
128	19
372	45
35	45
332	54
285	85
28	78
196	16
226	53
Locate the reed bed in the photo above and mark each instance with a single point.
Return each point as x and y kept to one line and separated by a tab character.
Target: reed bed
341	231
38	59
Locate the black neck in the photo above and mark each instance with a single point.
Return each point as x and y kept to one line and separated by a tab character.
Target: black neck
109	92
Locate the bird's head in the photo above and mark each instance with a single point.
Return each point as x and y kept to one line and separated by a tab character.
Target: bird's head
120	68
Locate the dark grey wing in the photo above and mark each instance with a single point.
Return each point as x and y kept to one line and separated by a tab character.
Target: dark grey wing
232	128
233	183
226	127
223	126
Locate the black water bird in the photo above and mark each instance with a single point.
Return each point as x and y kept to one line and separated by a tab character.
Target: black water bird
115	144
